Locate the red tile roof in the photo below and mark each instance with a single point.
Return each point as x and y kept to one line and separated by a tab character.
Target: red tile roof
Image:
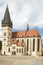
28	33
32	33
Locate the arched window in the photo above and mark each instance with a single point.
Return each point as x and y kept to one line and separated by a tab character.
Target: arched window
22	50
38	44
33	44
8	49
4	39
27	44
18	40
22	40
17	50
4	33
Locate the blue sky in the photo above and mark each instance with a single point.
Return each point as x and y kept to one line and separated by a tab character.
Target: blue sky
23	12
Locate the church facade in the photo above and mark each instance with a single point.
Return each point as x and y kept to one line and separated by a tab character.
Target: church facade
27	42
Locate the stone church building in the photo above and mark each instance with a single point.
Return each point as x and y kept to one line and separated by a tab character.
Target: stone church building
27	42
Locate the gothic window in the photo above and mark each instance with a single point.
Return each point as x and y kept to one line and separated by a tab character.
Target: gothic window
22	41
33	44
4	33
27	44
22	50
18	40
8	49
38	44
17	50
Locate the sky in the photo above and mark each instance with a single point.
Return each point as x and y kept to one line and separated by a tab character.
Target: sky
23	12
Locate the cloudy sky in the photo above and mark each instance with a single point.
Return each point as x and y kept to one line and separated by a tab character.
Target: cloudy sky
23	12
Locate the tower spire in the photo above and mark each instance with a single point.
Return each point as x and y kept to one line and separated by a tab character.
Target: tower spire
7	21
7	15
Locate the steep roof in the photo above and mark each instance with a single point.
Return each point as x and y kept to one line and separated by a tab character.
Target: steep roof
28	33
7	21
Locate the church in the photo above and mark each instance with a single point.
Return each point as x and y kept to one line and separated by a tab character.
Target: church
20	43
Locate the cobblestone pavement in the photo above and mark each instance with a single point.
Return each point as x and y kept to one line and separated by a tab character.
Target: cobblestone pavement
20	60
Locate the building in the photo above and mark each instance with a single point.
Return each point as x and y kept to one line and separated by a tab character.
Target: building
27	42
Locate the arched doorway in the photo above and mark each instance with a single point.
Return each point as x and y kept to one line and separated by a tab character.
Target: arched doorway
4	52
14	53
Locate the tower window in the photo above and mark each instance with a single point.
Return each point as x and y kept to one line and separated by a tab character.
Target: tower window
33	44
4	39
9	33
8	49
4	43
5	34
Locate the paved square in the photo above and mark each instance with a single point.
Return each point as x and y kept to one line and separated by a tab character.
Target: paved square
20	60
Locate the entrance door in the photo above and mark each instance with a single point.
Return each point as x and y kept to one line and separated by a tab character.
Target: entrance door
4	52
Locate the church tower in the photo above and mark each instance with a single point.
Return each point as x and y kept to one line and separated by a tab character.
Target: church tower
6	33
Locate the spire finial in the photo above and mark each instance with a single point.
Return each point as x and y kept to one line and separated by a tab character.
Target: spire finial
7	5
27	27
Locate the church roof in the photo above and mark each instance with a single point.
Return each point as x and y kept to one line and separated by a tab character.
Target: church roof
28	33
7	21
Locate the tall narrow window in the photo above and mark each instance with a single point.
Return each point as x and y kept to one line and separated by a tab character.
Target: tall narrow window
4	33
38	44
8	49
33	44
17	50
22	50
27	44
22	41
18	40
